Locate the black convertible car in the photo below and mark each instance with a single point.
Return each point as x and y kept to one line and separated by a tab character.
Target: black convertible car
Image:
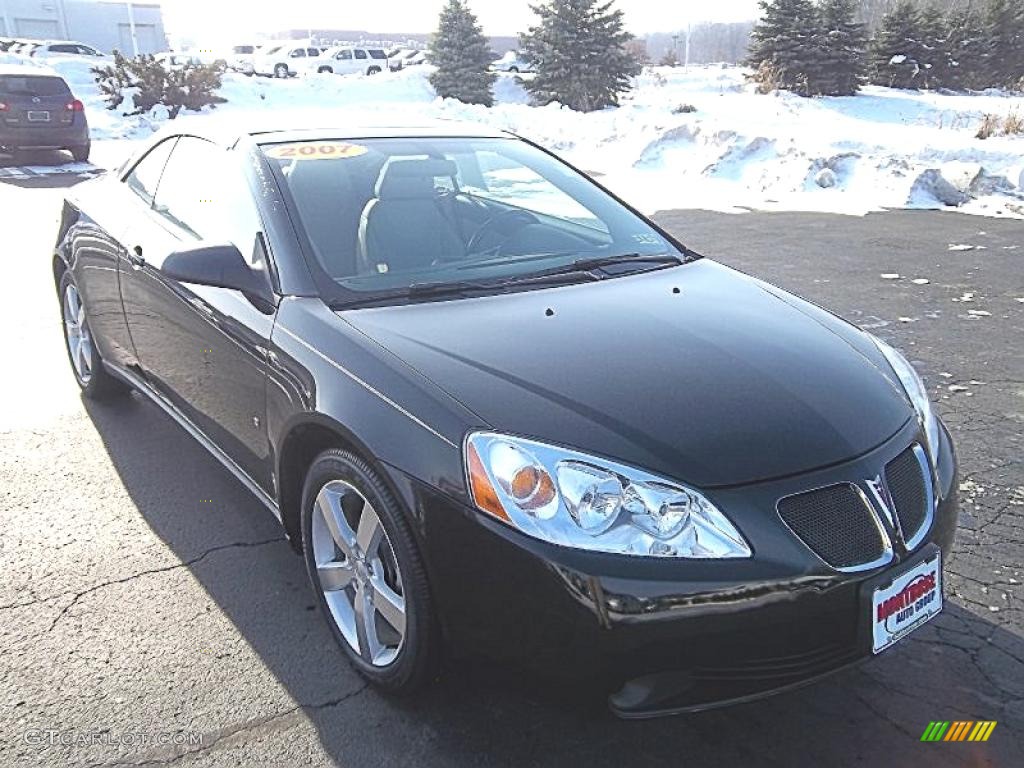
498	410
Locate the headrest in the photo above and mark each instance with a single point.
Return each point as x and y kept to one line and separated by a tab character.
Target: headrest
412	178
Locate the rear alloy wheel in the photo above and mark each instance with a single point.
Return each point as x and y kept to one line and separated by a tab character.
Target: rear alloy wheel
281	71
325	71
373	70
86	364
367	573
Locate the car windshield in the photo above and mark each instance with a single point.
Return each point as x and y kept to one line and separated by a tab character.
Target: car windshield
33	85
381	216
376	53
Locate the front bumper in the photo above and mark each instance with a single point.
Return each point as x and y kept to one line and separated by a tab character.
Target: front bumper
668	635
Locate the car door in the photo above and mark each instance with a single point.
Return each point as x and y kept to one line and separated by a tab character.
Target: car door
296	60
343	62
202	348
101	255
361	60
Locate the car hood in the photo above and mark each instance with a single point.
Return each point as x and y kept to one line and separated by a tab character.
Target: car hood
727	381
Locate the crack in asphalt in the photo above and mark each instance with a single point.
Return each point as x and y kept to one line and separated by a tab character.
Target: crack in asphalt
150	572
227	732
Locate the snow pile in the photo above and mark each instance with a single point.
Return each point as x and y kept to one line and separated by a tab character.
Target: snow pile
738	151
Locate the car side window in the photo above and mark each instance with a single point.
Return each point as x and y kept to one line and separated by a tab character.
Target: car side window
145	177
298	53
360	53
344	55
312	52
207	197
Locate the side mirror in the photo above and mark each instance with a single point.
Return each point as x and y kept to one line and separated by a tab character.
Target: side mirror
220	266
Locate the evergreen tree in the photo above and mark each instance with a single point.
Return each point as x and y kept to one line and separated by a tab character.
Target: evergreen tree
895	51
786	45
842	43
578	50
192	86
1003	58
965	50
462	56
112	79
933	57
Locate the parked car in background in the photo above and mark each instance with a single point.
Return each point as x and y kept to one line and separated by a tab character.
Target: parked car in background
243	59
38	111
52	48
395	56
513	62
172	60
286	60
25	47
5	44
413	58
353	60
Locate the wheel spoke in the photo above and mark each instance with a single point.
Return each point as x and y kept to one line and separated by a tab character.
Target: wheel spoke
74	346
85	355
389	604
329	504
366	625
334	576
71	303
369	533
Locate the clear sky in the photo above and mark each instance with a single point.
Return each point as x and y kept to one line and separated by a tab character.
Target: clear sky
228	20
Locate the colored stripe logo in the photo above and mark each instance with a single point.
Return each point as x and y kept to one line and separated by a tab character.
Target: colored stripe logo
958	730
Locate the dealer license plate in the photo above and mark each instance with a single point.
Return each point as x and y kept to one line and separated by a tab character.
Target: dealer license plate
910	600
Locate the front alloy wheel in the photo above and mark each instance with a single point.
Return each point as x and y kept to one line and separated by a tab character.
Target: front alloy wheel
76	333
358	573
85	359
367	573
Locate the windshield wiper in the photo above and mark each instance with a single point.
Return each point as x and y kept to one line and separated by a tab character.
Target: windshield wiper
466	288
425	290
580	269
597	262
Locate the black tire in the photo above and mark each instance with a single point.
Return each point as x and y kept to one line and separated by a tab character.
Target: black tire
98	384
416	662
281	71
81	153
373	71
325	71
514	70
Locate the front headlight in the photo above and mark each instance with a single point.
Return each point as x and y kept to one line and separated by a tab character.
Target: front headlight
575	500
916	391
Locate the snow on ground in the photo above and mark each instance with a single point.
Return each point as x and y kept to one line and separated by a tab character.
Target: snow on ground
739	150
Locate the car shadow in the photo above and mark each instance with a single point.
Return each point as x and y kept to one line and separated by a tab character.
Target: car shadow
955	668
44	169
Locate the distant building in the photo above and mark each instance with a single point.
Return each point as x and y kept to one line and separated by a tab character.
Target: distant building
103	24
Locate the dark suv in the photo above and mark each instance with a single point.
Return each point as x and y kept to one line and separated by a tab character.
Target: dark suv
38	111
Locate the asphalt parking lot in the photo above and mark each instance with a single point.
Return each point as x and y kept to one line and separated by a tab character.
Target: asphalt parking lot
144	592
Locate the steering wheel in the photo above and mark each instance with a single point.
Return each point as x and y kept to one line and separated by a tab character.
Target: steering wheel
500	224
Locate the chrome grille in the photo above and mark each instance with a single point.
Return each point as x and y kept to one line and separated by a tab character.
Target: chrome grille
837	524
909	489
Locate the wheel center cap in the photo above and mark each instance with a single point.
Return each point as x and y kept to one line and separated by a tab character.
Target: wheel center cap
362	572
